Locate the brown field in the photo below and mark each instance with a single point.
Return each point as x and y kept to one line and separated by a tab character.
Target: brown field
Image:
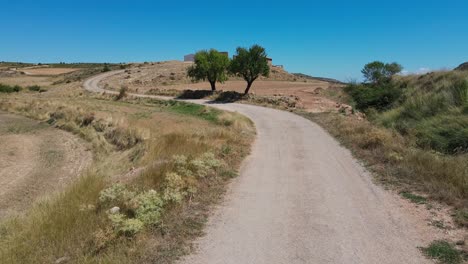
172	76
47	71
26	80
35	159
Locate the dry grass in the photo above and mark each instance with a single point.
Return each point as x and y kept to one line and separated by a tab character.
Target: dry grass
128	134
47	71
398	161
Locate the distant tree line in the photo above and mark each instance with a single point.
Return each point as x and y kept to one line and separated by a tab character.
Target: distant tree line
213	66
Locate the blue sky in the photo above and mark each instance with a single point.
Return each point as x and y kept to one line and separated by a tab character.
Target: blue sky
320	38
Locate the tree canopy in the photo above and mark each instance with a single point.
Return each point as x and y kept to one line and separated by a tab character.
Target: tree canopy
378	72
211	66
250	64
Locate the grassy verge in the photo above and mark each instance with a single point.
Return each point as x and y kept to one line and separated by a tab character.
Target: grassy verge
163	164
396	160
443	252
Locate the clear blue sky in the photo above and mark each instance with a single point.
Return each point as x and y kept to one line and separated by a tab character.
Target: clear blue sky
321	38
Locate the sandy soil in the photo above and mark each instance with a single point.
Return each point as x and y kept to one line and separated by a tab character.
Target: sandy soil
25	80
303	198
47	71
35	161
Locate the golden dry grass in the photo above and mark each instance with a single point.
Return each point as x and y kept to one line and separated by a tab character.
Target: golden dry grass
134	141
397	160
47	71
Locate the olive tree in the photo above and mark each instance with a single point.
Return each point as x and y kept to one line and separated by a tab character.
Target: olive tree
250	64
378	72
211	66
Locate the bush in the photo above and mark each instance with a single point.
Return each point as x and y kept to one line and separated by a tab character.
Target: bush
447	134
125	226
106	68
379	97
443	252
34	88
4	88
122	93
149	207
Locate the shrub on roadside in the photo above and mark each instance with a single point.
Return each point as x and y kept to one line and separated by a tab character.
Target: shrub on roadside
379	97
122	93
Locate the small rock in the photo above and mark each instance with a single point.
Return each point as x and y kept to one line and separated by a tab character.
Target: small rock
62	260
460	242
114	210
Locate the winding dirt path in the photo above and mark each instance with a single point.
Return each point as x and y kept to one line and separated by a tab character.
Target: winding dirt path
302	198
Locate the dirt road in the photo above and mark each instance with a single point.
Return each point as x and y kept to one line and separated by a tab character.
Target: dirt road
302	198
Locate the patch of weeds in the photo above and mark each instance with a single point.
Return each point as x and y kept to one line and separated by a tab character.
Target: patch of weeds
417	199
461	217
438	223
228	173
443	252
199	111
142	115
226	150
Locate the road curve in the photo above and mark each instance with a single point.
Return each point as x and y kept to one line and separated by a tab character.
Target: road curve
301	198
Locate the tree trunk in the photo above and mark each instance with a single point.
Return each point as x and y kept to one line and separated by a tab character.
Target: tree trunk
248	87
213	86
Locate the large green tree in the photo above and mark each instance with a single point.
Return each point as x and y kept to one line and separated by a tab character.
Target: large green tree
377	72
211	66
250	64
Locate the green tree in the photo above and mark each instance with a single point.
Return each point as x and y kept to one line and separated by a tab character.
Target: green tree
378	72
211	66
250	64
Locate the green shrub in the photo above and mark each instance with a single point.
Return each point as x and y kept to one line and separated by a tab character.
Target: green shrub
379	97
443	252
106	68
116	194
149	207
4	88
34	88
122	93
447	133
125	226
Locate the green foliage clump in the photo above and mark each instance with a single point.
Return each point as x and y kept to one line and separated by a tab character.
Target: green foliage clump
250	64
149	207
116	194
125	226
34	88
379	72
379	97
122	93
4	88
211	66
106	68
183	181
432	111
444	252
137	210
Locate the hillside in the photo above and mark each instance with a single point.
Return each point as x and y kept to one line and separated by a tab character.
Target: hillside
462	67
432	110
157	74
330	80
416	133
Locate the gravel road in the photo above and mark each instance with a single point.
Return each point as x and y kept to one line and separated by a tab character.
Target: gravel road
302	198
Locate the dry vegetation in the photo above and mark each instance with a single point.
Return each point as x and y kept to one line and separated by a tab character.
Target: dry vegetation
419	142
162	163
